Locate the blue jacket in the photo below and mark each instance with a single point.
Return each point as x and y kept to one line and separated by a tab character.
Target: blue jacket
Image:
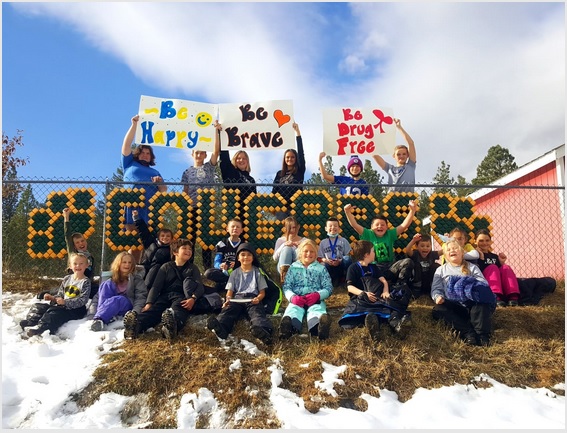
301	281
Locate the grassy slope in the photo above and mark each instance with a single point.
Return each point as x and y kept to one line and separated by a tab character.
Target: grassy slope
528	350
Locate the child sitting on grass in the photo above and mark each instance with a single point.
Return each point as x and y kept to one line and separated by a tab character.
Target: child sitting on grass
177	292
307	285
334	252
75	243
225	255
69	303
124	291
371	300
501	278
463	299
383	239
246	288
157	250
424	264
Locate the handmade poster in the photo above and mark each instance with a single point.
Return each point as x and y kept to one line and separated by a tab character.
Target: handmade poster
358	131
257	125
176	123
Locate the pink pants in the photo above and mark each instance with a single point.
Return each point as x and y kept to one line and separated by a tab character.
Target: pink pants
502	282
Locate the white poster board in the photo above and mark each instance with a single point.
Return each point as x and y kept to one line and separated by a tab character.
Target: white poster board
253	126
358	131
176	123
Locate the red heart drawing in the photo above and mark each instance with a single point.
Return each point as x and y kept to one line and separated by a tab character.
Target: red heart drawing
281	118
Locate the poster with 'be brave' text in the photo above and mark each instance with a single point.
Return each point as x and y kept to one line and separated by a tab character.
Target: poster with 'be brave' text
252	126
358	131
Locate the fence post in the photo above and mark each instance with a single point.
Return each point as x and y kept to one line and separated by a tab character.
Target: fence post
106	189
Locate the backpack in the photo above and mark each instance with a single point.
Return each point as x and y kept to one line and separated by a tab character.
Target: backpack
274	295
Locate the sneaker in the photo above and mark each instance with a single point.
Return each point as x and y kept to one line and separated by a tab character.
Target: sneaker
286	328
131	325
214	325
500	304
402	327
513	303
470	339
97	325
324	327
283	272
24	323
261	334
36	330
168	324
372	323
484	340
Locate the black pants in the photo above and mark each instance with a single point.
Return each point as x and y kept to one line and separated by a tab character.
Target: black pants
152	317
475	317
218	277
52	317
255	313
421	281
400	270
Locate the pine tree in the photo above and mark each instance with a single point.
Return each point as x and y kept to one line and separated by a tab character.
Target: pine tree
497	163
444	179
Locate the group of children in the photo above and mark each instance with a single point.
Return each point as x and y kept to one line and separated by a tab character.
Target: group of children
380	288
466	283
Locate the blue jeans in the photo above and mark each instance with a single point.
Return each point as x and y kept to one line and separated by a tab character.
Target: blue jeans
288	255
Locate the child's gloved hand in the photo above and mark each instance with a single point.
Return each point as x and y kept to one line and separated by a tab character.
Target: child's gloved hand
298	300
312	298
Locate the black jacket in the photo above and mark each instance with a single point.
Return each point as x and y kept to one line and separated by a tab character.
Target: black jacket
154	255
176	282
284	183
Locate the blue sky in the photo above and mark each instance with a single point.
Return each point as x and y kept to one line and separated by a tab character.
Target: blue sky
462	77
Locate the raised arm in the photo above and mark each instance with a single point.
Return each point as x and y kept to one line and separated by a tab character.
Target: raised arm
67	231
408	219
380	161
409	140
129	137
216	152
300	152
409	247
352	220
328	177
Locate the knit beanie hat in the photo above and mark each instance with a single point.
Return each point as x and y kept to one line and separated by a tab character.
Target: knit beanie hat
354	160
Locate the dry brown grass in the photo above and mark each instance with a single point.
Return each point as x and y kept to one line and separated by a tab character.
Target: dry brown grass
528	350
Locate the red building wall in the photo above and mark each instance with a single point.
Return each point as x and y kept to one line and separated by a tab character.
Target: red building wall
528	224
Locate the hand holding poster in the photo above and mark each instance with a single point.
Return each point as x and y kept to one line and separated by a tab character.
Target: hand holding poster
358	131
176	123
257	126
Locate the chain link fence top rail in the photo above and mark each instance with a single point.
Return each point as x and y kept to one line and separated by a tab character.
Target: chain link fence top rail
526	222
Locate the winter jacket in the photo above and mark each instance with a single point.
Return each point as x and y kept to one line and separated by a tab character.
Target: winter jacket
301	281
155	254
184	282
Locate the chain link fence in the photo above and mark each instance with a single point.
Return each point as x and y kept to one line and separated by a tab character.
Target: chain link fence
527	223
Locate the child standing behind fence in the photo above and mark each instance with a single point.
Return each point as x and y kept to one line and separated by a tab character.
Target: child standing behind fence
356	185
403	173
69	303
